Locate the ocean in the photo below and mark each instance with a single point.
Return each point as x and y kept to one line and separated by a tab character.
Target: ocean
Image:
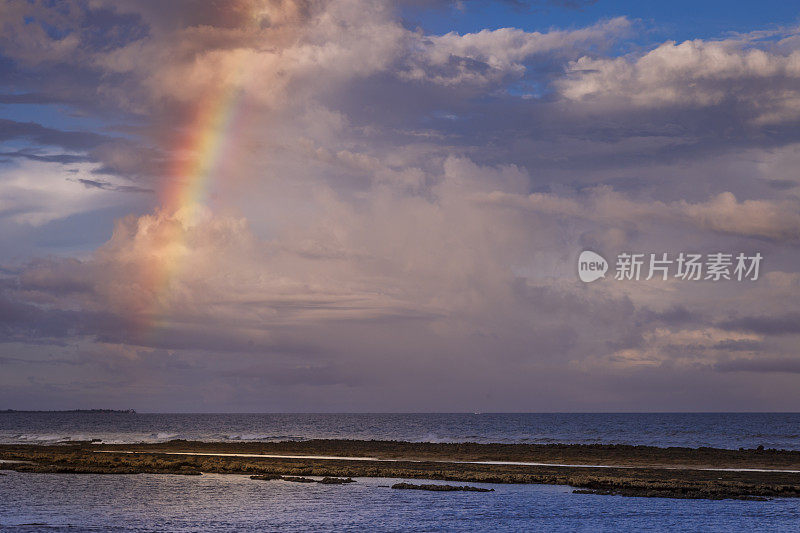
215	502
719	430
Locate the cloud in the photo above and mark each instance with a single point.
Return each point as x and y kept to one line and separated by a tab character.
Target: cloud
760	365
489	56
106	186
54	158
766	325
393	217
759	82
36	133
35	192
723	213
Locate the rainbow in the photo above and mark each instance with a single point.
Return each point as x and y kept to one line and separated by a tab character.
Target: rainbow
198	160
201	151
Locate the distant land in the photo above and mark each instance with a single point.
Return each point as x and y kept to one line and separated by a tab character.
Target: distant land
128	411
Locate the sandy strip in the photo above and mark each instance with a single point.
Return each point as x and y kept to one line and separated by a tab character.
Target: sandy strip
512	463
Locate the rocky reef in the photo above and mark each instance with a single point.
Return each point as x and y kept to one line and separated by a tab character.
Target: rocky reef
628	470
439	488
325	481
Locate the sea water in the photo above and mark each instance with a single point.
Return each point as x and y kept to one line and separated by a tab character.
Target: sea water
720	430
213	502
216	502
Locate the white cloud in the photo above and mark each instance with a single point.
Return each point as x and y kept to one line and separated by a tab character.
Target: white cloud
776	219
693	74
35	192
490	55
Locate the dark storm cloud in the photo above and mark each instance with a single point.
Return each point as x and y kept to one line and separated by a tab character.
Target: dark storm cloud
55	158
782	185
765	364
676	316
739	346
787	324
41	135
106	186
21	322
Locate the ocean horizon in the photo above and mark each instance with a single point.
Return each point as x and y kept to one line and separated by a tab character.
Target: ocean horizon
717	430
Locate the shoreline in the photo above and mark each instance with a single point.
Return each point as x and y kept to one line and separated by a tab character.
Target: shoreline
620	455
707	473
515	463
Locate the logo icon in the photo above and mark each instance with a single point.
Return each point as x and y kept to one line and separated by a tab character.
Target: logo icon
591	266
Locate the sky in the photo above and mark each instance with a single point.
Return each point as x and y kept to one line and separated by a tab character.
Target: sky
365	206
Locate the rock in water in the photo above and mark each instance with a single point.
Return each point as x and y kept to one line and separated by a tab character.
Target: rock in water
440	488
337	480
267	477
